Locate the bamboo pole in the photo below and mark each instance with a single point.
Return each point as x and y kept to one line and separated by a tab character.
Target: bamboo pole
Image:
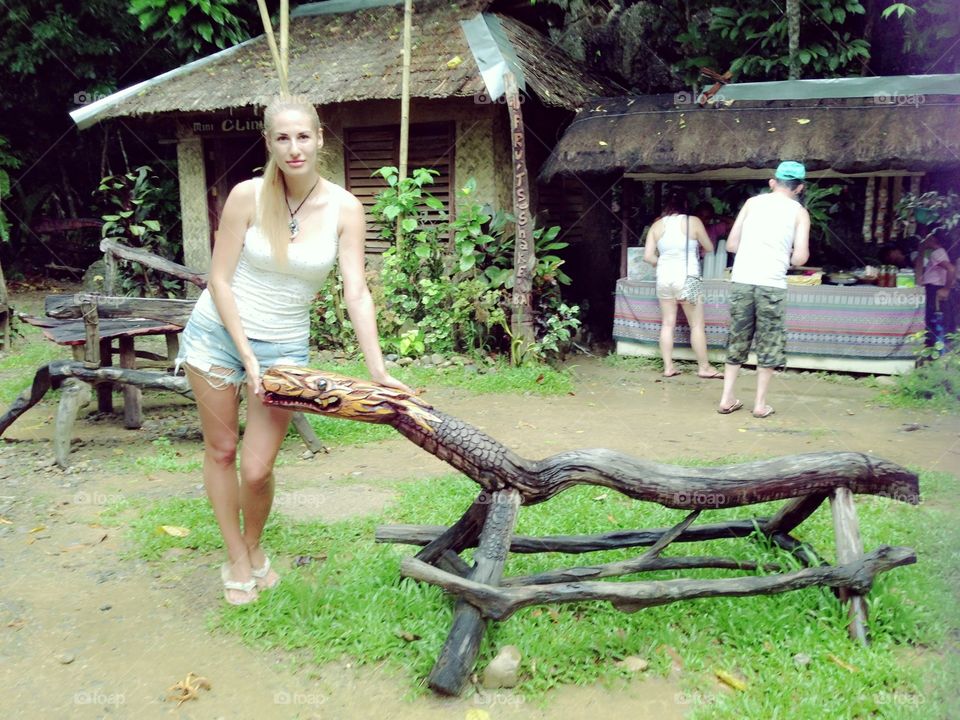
272	43
285	40
868	208
405	89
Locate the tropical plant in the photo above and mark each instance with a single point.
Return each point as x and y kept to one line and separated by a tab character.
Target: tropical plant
199	23
934	210
141	214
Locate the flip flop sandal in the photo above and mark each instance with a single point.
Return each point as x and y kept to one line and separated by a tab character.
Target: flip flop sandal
260	575
733	408
673	374
249	587
767	412
717	375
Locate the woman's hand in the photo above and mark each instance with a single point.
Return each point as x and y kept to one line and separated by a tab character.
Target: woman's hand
391	382
254	385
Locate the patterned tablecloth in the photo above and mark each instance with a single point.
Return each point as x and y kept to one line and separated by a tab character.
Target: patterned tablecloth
860	322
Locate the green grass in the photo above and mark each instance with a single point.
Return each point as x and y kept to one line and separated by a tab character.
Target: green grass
354	604
336	433
29	353
168	458
500	378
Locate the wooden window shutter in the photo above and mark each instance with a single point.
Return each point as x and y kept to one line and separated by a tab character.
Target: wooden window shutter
368	149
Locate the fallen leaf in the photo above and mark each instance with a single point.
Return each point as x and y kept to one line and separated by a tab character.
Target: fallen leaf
454	61
802	121
771	129
407	636
4	521
603	143
728	679
17	624
38	528
837	661
554	615
175	530
601	496
741	429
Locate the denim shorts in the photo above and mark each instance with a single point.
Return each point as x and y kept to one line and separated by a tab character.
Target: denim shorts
206	346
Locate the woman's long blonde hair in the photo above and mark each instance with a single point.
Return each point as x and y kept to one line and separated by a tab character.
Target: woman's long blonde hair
273	216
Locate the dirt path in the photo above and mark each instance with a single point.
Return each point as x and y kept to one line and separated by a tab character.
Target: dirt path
87	632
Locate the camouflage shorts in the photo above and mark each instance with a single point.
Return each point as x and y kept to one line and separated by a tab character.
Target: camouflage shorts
757	314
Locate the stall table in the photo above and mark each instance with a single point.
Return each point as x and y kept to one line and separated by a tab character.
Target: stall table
859	328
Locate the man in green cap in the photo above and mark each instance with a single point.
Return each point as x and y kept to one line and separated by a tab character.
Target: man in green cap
771	233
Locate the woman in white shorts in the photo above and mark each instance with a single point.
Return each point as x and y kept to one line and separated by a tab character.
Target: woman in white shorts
673	247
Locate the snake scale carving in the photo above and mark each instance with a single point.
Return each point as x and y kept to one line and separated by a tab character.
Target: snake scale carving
495	467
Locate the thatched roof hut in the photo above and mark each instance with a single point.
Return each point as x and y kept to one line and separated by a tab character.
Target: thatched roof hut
338	57
655	136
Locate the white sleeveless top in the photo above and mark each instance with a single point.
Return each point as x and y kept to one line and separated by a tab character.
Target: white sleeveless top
274	301
766	241
676	257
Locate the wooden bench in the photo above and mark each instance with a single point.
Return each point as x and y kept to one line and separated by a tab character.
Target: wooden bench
99	327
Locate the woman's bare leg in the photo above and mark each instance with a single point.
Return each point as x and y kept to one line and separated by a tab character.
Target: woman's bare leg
265	430
218	407
698	337
668	324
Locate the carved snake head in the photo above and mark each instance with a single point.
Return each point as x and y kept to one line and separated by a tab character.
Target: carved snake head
326	393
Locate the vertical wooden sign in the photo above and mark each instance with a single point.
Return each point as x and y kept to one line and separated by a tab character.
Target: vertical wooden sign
524	258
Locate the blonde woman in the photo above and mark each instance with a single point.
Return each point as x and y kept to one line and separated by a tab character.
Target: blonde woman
673	246
279	237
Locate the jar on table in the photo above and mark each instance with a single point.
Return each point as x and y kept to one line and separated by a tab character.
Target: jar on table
906	279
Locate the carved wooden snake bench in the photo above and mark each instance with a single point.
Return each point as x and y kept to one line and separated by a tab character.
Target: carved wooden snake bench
508	481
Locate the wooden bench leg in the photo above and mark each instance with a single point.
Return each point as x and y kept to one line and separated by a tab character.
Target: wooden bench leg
459	652
846	530
105	390
132	395
310	439
74	394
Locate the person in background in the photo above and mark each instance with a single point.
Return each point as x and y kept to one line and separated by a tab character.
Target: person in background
673	247
896	254
937	275
771	233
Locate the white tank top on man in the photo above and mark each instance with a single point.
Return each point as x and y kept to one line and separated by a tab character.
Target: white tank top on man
766	241
677	257
274	301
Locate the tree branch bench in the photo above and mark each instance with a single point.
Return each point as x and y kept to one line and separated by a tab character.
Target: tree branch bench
508	481
99	327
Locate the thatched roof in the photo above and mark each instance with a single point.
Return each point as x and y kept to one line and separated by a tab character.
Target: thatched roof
357	56
653	134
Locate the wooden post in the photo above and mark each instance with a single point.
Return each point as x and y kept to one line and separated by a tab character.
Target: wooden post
74	395
4	314
846	530
405	89
306	431
524	256
105	390
625	198
132	395
460	650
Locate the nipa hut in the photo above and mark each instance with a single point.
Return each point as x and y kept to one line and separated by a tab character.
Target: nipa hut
346	58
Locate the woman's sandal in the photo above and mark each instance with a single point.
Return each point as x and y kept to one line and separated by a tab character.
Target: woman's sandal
733	408
260	575
249	587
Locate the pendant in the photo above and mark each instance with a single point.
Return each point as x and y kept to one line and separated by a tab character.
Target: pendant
294	227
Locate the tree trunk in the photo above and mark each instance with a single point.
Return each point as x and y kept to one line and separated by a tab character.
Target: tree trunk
793	33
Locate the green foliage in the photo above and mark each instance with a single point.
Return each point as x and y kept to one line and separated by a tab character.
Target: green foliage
140	213
828	48
936	382
442	296
191	25
7	162
934	210
823	202
330	328
930	31
758	637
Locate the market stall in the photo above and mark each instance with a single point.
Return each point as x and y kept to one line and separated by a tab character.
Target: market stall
860	328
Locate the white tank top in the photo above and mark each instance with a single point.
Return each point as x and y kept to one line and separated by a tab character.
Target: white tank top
676	257
274	301
766	241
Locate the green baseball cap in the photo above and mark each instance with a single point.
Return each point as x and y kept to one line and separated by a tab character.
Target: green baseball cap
790	170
